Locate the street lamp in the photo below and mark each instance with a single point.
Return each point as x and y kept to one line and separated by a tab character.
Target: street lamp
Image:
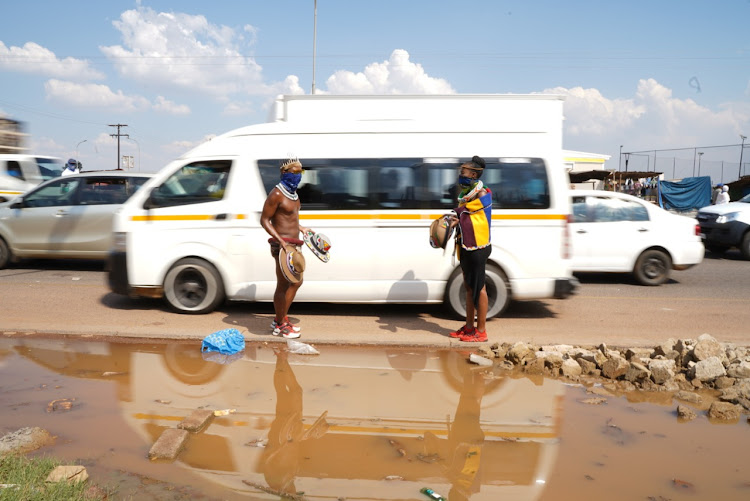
79	143
700	154
742	148
619	165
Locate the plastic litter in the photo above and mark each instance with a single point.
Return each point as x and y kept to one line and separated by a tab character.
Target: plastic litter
480	360
431	494
226	342
300	348
224	412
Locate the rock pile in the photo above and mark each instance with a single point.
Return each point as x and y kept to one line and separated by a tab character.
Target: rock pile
676	365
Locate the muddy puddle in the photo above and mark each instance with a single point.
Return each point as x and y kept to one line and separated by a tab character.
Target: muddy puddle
357	424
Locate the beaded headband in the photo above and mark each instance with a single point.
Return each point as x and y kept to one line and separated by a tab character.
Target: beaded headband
292	162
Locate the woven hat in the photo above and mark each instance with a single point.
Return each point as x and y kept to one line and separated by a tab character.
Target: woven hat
440	232
319	244
292	264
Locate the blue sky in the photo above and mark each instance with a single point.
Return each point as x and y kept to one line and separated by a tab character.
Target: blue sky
646	75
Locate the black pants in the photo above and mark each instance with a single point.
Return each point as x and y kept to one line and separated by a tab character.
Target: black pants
473	264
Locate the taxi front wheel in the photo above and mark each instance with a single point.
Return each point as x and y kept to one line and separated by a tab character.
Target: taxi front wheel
193	286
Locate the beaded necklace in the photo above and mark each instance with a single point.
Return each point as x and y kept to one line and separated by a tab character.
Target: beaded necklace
285	192
469	193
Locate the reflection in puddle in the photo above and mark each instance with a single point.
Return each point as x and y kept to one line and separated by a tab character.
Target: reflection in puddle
359	424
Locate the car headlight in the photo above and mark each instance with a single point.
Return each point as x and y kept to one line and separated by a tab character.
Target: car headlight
119	241
726	218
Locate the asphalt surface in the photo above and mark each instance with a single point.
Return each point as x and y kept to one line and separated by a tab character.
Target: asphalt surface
72	299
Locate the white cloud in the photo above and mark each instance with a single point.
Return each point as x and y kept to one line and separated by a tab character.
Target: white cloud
33	58
185	51
588	112
92	96
236	108
166	106
180	147
652	118
397	75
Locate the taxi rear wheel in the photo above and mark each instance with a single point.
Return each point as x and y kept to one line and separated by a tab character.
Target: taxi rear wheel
498	292
193	286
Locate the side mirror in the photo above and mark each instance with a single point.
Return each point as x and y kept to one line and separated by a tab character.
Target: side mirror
149	204
17	205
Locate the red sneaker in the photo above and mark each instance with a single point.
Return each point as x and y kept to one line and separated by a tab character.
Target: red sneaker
463	331
476	337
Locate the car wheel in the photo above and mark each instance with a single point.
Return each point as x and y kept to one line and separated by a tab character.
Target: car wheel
4	254
498	292
193	286
652	267
745	246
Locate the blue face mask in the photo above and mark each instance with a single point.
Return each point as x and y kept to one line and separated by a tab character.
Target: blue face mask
291	181
466	181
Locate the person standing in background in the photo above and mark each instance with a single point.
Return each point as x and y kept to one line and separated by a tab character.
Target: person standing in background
723	197
71	168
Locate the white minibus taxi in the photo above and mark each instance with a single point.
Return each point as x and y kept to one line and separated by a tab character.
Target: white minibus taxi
378	170
21	172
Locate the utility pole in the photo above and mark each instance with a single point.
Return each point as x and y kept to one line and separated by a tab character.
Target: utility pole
315	30
742	148
118	135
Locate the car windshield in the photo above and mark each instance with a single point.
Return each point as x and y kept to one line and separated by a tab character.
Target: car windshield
49	167
745	199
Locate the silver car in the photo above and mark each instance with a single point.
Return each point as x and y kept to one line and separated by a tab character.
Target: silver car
66	217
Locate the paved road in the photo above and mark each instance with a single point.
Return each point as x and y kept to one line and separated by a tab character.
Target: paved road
71	297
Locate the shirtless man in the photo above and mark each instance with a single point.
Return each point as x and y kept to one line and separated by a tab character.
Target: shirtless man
280	218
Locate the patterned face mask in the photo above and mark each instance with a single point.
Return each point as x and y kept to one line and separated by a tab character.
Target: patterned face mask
466	181
291	181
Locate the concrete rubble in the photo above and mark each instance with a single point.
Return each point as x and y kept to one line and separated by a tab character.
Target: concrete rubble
680	366
172	440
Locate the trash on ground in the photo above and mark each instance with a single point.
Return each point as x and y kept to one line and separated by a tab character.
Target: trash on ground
60	404
226	341
300	348
431	494
224	412
480	360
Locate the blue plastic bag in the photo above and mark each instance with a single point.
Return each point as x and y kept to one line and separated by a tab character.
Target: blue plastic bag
227	342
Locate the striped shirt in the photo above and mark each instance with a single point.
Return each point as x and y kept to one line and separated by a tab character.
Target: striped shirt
474	219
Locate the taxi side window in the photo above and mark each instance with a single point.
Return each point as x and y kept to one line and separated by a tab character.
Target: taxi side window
410	183
14	169
195	183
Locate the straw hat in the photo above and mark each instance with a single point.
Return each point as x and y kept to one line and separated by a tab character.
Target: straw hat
440	232
292	264
319	244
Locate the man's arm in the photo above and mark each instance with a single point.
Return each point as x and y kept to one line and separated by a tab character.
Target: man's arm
269	209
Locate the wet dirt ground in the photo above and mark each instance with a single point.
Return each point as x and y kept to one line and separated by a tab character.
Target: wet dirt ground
357	423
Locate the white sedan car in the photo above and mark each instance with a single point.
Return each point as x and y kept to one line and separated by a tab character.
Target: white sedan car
615	232
66	217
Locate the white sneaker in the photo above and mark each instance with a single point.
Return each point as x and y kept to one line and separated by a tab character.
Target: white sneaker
286	331
277	328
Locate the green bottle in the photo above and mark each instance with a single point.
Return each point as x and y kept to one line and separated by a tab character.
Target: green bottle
432	494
